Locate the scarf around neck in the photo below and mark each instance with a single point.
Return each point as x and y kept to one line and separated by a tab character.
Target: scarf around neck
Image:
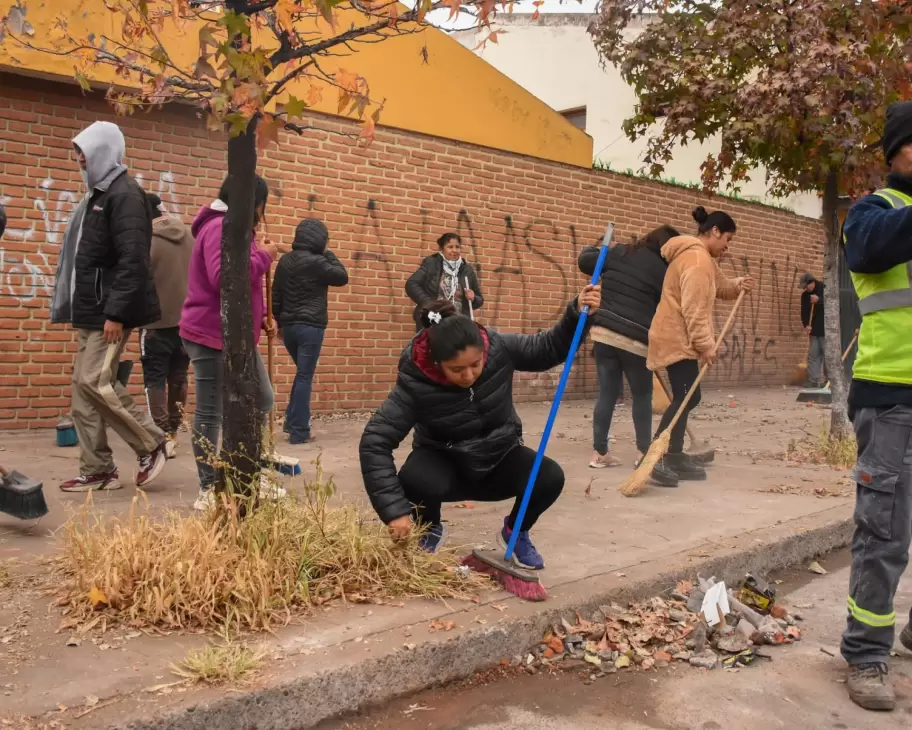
449	281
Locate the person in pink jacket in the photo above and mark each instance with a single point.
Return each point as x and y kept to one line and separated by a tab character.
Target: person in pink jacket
201	327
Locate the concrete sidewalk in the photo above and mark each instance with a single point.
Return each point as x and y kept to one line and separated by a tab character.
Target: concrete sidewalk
755	510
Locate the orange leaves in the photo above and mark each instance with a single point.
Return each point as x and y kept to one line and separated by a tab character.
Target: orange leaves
97	598
268	132
286	11
537	4
179	10
494	35
454	6
353	92
314	94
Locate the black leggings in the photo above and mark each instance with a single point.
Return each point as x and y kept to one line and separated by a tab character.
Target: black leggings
682	376
430	478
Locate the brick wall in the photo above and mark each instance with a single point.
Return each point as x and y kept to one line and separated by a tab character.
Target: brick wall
523	221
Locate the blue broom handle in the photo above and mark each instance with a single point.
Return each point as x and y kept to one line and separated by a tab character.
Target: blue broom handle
559	393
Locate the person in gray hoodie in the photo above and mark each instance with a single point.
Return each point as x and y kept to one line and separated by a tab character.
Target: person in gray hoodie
164	360
104	288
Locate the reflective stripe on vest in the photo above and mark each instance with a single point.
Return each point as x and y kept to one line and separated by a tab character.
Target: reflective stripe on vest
891	298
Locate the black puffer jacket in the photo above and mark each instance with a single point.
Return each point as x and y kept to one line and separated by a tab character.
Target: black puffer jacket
631	287
476	426
423	286
304	275
112	274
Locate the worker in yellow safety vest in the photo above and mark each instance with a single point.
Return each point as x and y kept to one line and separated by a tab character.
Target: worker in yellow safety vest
878	248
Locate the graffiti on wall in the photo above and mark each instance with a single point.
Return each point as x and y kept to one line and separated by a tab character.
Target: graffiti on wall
766	318
26	275
527	258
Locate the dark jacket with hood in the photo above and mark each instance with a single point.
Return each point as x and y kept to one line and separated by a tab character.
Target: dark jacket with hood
172	245
631	287
104	270
303	277
423	287
477	427
817	328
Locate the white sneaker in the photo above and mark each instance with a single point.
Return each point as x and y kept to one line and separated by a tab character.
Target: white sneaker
603	461
171	447
270	491
205	501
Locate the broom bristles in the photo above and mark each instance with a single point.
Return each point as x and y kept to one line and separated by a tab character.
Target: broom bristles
636	482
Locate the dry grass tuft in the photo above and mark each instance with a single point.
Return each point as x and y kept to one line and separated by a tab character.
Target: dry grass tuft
825	449
228	662
223	573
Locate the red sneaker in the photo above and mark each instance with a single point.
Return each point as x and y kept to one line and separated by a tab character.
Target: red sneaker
151	464
93	483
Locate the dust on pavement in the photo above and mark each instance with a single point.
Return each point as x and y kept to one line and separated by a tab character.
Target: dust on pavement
802	687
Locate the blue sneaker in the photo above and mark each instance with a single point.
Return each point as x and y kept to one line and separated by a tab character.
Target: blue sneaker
524	554
434	539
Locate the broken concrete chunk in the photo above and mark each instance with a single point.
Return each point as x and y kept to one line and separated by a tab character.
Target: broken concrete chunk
706	660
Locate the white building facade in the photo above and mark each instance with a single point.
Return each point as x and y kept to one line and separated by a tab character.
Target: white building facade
555	58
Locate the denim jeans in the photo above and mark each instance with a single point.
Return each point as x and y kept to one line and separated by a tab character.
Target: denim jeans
208	371
816	363
612	364
303	343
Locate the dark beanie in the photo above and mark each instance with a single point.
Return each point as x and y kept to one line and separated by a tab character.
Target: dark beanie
898	128
154	203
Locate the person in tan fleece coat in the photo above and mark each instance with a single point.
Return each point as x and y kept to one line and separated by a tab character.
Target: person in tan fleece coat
682	337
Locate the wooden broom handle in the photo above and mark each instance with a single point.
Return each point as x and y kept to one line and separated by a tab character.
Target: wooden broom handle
269	351
725	329
811	326
846	353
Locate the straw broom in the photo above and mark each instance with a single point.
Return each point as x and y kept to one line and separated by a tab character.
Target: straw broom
800	374
636	482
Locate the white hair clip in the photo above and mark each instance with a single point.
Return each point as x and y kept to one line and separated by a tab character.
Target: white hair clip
434	317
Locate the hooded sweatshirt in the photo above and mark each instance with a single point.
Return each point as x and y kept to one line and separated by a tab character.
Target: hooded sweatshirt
682	328
172	245
104	147
303	277
201	317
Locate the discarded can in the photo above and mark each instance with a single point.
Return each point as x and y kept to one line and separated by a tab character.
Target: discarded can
757	594
743	658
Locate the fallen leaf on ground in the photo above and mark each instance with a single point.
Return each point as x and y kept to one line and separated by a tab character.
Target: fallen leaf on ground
622	661
97	597
817	568
499	607
416	708
684	587
438	625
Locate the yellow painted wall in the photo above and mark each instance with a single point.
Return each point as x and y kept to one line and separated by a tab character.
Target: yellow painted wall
457	95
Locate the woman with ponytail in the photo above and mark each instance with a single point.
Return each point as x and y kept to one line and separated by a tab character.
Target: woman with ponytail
631	291
445	275
682	337
455	389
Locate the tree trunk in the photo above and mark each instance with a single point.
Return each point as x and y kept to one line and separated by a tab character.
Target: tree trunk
839	422
241	419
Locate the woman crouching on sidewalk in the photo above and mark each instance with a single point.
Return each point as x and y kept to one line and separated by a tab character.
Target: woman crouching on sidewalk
682	338
455	388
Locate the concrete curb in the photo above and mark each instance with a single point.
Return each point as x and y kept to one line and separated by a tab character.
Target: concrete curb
303	701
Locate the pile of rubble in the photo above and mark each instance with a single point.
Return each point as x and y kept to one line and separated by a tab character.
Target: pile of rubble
706	626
